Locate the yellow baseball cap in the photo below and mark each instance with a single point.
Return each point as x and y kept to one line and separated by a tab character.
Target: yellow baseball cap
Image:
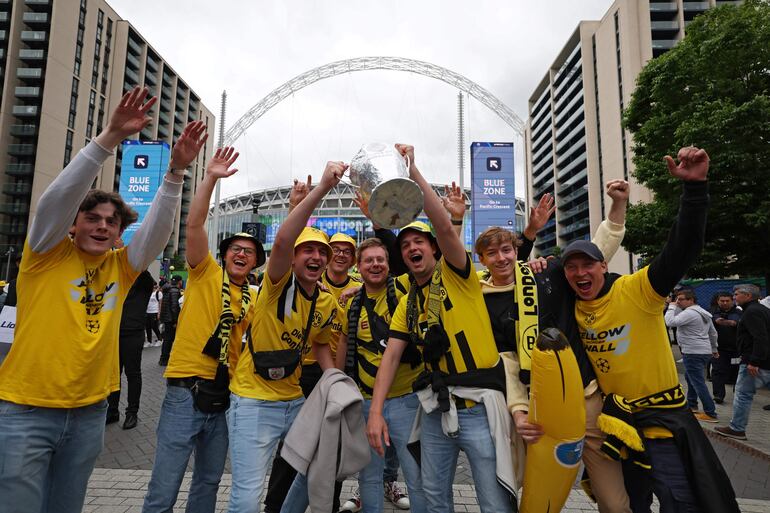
420	227
313	234
341	237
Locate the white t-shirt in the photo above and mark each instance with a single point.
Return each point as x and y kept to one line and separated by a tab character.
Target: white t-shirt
153	306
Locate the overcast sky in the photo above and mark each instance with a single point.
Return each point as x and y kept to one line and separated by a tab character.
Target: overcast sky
251	47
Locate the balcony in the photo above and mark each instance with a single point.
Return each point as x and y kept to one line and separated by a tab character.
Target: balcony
695	6
21	150
29	73
25	110
27	92
13	229
573	212
37	3
134	46
572	196
574	227
178	116
150	78
663	44
152	64
35	17
19	169
164	117
146	134
3	16
131	77
664	26
14	209
33	37
23	130
17	189
27	55
132	62
663	7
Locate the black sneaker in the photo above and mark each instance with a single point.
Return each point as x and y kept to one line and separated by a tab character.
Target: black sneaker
112	418
731	433
766	407
718	400
131	421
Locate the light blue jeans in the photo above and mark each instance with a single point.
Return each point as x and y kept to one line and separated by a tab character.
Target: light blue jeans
745	388
255	427
181	430
439	461
47	455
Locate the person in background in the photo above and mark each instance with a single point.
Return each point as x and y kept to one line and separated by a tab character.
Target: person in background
152	324
169	316
723	371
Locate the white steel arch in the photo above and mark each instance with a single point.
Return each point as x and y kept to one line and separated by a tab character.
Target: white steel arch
373	63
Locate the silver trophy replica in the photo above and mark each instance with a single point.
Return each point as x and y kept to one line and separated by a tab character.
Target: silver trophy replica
382	177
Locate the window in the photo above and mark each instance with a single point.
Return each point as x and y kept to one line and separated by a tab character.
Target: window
68	148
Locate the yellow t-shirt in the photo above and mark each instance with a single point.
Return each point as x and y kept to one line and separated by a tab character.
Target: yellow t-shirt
463	315
335	290
283	313
199	318
625	337
65	349
369	361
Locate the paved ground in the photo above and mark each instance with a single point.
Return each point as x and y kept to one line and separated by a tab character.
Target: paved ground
123	469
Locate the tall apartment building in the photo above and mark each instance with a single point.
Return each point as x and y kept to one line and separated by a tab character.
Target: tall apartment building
64	66
574	138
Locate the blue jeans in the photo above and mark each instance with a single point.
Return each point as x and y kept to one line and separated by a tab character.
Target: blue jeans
667	479
390	473
47	455
181	430
255	427
439	461
695	374
399	413
745	388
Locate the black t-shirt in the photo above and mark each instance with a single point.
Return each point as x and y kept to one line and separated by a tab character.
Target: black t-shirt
503	315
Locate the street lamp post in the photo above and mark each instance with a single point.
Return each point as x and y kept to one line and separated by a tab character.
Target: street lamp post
9	254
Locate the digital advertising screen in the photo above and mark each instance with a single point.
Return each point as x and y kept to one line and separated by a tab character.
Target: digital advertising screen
141	172
492	186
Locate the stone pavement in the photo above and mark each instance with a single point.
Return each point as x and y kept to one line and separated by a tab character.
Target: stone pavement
123	469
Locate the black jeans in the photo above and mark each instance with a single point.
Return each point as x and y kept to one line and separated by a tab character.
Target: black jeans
282	474
152	326
131	345
723	372
668	480
169	333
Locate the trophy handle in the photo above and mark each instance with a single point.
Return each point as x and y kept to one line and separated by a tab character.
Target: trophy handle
408	163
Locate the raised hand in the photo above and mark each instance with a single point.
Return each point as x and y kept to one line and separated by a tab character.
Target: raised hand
693	164
333	174
618	190
454	201
188	145
219	165
362	204
407	150
128	118
539	215
299	190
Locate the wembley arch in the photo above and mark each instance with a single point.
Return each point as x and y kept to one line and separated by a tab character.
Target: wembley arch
373	63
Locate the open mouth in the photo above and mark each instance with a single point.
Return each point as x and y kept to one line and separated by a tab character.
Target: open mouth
313	267
99	238
240	264
416	258
583	286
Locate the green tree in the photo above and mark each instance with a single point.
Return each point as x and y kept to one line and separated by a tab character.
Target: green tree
713	91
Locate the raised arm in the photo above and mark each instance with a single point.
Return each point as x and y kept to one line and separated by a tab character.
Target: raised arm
299	191
283	246
688	234
610	233
448	242
59	204
454	203
197	240
538	218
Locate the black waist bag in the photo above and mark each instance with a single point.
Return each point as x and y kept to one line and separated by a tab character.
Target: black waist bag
276	365
212	396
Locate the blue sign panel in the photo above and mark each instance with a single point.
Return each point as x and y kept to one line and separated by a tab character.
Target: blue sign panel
492	192
141	171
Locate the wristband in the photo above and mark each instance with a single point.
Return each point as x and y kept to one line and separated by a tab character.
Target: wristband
457	222
176	172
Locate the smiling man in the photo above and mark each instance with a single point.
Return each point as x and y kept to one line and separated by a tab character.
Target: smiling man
624	334
218	307
64	360
295	317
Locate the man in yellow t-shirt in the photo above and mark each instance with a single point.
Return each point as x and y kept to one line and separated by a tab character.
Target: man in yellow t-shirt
217	309
294	317
620	319
336	280
444	313
64	360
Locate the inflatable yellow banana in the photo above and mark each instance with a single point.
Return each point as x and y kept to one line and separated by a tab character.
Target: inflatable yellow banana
556	403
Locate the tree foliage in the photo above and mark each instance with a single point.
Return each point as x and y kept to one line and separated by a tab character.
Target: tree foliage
713	91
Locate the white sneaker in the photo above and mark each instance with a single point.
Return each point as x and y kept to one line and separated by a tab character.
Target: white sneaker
157	343
394	494
147	344
354	503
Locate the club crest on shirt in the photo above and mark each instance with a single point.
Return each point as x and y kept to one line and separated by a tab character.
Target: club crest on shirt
590	318
317	318
94	302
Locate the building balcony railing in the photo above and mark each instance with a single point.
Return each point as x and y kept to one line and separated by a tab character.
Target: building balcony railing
23	130
21	150
29	73
164	118
663	44
130	75
25	110
13	229
35	17
577	177
572	228
541	189
574	195
664	26
19	169
663	7
133	62
152	64
33	36
27	92
15	209
17	189
562	158
134	46
165	105
150	78
3	16
37	3
28	54
695	6
573	212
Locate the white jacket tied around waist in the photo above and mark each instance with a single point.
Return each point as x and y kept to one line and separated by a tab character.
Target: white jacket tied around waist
330	423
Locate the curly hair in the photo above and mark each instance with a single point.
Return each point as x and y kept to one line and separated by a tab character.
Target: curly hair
95	197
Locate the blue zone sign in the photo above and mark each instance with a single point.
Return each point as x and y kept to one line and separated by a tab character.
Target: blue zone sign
141	171
493	200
